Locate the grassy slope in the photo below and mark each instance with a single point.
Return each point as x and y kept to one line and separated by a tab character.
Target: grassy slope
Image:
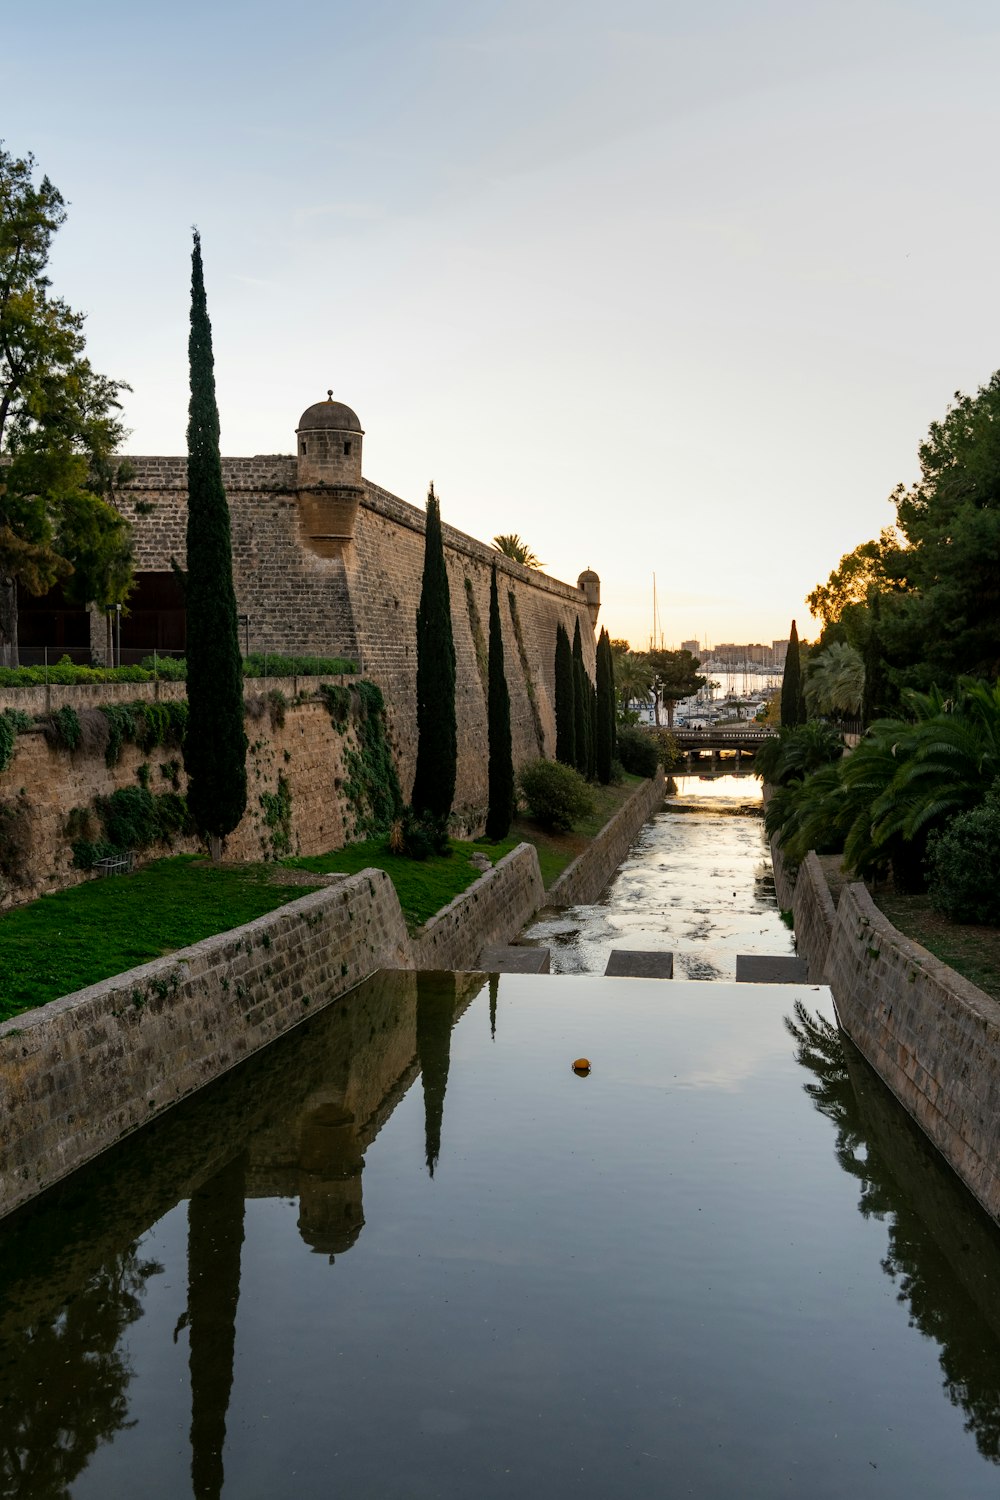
63	942
973	952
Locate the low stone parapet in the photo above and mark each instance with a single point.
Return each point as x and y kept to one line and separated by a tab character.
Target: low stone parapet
490	912
585	879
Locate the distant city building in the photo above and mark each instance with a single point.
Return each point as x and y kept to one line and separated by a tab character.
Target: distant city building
693	646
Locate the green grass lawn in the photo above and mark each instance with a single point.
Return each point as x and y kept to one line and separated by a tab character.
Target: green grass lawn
61	943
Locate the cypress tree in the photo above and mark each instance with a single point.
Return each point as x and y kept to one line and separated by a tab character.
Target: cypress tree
500	811
437	732
565	695
592	735
215	745
604	747
793	709
581	703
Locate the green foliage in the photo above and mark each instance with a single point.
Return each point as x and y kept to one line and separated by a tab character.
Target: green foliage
638	751
419	835
604	737
62	727
259	664
215	747
500	807
511	545
674	676
793	708
12	720
144	724
858	573
633	680
835	680
133	818
103	927
795	752
529	681
437	733
557	795
963	864
15	839
338	702
59	427
372	787
565	699
277	806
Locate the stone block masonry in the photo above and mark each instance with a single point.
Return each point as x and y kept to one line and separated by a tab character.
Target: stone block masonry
490	912
81	1072
584	880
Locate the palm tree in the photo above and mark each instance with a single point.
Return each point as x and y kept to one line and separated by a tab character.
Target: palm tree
835	680
510	544
633	679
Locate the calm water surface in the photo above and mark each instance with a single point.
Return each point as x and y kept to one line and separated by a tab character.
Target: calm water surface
697	882
409	1253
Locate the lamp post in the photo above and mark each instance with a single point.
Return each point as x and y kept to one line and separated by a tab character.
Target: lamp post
118	635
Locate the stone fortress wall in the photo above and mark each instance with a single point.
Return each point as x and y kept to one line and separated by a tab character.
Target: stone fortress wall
333	567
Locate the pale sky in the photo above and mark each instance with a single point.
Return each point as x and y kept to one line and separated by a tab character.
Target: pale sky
663	287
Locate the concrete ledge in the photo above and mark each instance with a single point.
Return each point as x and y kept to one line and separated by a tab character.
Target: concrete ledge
768	968
640	963
514	960
585	879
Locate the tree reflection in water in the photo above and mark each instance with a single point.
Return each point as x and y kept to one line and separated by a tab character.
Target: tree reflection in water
944	1252
64	1380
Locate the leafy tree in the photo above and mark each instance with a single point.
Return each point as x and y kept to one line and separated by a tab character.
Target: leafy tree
59	424
437	729
557	795
675	676
873	565
500	811
964	864
511	545
565	699
581	703
215	745
951	521
604	746
793	710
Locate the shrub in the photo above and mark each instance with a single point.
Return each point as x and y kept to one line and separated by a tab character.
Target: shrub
557	795
418	835
963	865
62	728
12	720
15	838
638	751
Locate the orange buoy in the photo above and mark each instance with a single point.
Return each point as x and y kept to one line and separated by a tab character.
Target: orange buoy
582	1066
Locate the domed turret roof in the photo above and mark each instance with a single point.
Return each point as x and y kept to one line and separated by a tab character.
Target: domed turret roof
330	414
587	576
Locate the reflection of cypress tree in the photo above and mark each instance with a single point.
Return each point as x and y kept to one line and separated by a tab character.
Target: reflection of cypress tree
215	1238
581	704
942	1251
435	1014
565	694
494	990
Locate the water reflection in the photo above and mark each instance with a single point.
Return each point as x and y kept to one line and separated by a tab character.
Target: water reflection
293	1122
943	1252
696	882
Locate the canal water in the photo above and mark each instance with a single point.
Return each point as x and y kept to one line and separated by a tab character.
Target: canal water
697	882
409	1253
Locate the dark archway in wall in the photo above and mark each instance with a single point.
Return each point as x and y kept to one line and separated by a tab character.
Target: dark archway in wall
49	623
156	619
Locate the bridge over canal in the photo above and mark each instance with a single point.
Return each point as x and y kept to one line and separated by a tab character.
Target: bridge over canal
743	739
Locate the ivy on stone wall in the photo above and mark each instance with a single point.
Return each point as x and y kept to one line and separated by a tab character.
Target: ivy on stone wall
15	839
536	718
372	786
277	808
130	819
478	639
12	721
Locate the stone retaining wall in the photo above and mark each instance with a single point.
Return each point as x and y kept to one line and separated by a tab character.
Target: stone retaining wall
492	910
815	915
81	1072
931	1035
585	879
